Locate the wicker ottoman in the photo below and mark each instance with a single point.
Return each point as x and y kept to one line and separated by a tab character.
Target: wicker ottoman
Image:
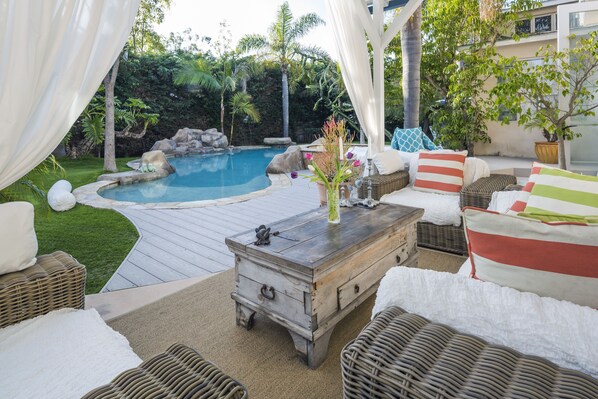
180	372
384	184
403	355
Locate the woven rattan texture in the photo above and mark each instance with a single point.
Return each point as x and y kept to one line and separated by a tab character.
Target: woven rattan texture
180	372
479	193
442	238
384	184
56	281
402	355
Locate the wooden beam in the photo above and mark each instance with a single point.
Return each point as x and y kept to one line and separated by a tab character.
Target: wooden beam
399	21
368	24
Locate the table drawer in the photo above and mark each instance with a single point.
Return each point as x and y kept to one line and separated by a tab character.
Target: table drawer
355	287
274	291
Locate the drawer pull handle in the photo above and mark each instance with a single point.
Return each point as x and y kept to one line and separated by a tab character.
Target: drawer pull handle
268	292
398	259
356	288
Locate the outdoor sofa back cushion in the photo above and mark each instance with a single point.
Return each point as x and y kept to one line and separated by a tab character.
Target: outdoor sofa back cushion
18	242
557	260
440	172
558	191
408	140
388	162
474	168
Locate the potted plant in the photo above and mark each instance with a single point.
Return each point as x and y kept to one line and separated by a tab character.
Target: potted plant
532	90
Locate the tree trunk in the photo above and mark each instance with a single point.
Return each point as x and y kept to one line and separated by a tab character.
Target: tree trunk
222	112
109	134
232	127
562	155
285	102
411	45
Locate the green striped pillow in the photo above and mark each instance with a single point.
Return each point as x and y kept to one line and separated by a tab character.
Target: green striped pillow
561	192
560	218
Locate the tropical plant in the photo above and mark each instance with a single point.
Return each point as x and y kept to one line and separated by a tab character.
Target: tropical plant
532	90
282	46
241	105
458	60
31	186
131	117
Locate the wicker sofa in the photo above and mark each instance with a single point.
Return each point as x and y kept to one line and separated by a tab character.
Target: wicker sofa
57	281
445	238
403	355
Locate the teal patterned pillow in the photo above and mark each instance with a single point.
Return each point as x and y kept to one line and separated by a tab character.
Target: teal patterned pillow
408	140
429	144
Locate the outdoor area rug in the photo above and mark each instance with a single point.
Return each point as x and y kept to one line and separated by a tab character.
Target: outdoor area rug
263	359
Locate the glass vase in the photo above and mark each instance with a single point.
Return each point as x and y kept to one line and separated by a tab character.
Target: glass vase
334	209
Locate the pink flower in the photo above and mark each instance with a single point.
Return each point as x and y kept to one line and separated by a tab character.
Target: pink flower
356	163
309	156
294	175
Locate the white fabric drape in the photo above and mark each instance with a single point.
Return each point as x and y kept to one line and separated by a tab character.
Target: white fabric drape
53	57
349	34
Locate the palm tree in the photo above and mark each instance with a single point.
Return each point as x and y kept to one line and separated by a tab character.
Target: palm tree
282	46
411	48
241	104
198	74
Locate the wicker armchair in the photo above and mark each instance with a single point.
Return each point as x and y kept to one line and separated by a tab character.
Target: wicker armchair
403	355
58	281
443	238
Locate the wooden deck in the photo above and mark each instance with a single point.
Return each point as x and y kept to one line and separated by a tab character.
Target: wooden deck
182	243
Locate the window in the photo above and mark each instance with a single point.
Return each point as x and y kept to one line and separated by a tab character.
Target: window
538	24
504	113
523	26
543	24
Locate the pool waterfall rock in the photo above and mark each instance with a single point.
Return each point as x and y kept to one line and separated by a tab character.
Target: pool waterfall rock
192	141
287	162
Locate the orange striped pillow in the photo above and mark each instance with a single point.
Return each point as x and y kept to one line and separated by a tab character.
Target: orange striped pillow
556	259
440	172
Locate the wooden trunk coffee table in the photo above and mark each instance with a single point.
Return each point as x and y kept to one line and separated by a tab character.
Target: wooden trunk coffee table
313	273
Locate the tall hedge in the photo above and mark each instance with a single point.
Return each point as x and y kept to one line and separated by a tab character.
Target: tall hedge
149	77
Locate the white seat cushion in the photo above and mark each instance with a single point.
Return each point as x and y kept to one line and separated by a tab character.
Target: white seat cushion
559	331
61	355
439	209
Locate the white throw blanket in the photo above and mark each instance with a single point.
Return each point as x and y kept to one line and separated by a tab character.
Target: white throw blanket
562	332
61	355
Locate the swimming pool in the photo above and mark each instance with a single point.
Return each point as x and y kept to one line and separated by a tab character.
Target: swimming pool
202	177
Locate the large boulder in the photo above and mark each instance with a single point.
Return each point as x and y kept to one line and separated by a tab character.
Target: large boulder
290	161
181	136
212	130
155	161
165	145
220	142
278	141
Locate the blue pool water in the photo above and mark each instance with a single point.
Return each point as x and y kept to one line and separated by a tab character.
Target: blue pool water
202	177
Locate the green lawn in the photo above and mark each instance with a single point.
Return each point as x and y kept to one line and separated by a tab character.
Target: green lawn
99	238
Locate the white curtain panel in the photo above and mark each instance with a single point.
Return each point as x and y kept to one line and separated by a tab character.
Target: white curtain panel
53	57
351	42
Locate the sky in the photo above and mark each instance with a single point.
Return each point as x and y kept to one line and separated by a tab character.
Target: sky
243	17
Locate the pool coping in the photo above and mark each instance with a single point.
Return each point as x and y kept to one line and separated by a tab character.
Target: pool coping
89	195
